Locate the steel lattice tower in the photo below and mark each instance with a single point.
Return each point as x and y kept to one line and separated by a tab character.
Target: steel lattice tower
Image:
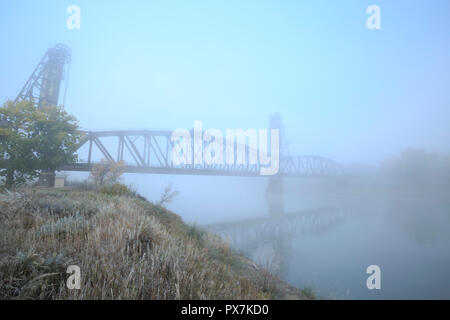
275	184
44	84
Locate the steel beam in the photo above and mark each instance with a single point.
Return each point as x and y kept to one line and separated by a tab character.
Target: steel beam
154	157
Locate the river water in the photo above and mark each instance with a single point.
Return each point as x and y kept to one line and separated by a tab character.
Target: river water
406	235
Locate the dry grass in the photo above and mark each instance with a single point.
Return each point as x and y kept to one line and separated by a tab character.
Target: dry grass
126	248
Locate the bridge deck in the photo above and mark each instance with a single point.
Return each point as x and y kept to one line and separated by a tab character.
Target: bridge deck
150	151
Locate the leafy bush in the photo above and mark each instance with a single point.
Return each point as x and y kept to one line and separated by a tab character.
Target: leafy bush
106	173
117	189
195	232
309	293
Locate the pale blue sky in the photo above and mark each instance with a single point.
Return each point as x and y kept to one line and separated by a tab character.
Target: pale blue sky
344	91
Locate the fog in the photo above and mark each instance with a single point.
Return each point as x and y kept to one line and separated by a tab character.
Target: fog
374	101
332	229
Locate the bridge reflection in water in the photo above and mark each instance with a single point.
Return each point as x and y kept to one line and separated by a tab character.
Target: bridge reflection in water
268	239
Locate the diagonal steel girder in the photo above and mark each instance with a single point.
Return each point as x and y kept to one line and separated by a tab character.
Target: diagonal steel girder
154	157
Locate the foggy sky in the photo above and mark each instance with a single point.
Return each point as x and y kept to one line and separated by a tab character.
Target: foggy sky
344	91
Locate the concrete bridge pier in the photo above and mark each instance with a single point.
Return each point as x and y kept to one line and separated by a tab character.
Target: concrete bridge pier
274	196
47	179
275	184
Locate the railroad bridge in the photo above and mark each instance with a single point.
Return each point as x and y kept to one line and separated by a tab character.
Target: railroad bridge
149	151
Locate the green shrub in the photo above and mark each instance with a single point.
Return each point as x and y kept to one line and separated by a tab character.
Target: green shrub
195	232
117	189
309	293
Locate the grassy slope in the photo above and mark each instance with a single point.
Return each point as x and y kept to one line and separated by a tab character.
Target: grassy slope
126	248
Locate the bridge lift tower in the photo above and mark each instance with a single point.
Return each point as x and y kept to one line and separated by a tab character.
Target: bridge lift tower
275	184
43	87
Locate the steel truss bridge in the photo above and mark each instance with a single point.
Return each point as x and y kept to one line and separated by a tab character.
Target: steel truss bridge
150	151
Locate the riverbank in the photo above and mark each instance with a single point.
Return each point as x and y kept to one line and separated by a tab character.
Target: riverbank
126	248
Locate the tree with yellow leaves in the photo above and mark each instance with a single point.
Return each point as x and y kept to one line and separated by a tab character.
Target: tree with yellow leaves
107	173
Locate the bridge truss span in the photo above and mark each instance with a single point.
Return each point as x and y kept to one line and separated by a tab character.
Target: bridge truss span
150	151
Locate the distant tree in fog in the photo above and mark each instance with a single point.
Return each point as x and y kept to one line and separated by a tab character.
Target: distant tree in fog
416	168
